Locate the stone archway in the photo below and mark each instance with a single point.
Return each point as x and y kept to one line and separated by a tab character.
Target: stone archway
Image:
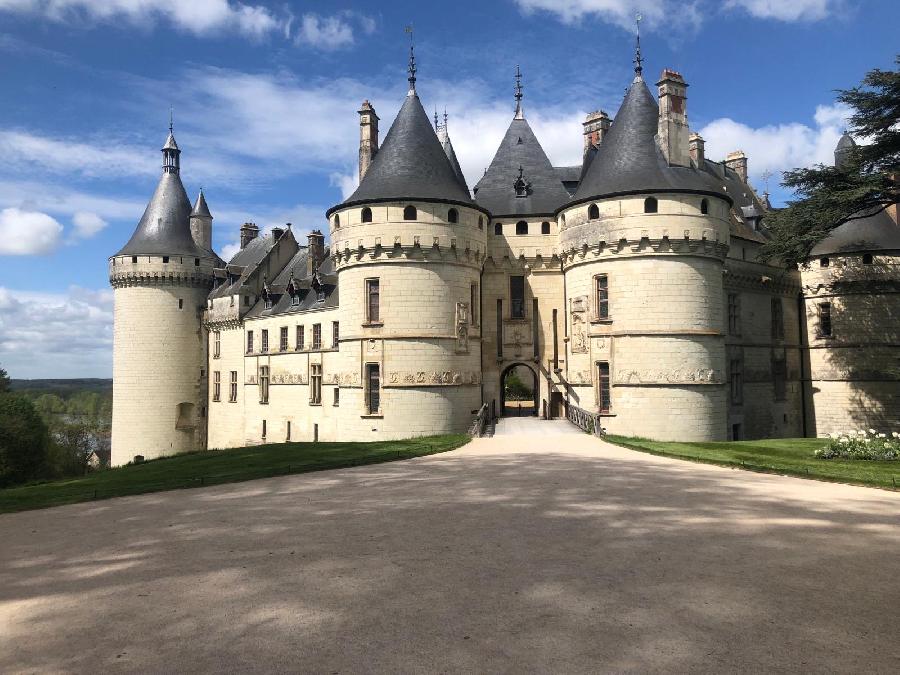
519	391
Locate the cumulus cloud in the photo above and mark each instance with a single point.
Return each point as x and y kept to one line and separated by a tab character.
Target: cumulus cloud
66	334
63	201
347	182
28	232
795	10
325	32
87	224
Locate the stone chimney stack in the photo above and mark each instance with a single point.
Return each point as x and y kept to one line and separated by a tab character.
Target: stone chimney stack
737	162
315	242
368	137
698	153
673	125
249	232
277	232
596	124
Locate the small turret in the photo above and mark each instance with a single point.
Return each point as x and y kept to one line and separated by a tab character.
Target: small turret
201	223
843	150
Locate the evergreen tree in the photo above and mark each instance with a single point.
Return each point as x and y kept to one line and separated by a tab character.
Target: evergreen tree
5	383
23	440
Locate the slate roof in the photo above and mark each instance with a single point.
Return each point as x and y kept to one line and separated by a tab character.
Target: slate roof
243	263
629	159
309	289
451	155
200	206
495	191
876	232
411	163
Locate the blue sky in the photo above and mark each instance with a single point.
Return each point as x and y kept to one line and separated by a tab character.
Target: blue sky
265	97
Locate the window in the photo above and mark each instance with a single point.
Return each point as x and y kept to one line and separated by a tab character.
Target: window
824	262
337	221
601	296
367	215
734	314
287	433
480	222
133	259
246	300
320	296
180	303
232	393
517	297
410	213
651	205
264	347
317	336
315	383
736	379
335	334
779	378
337	397
593	212
373	299
295	300
299	338
217	344
264	384
196	262
522	227
373	388
165	258
777	319
704	206
217	385
824	319
545	227
249	341
268	302
283	339
867	258
604	399
452	216
264	429
498	228
473	303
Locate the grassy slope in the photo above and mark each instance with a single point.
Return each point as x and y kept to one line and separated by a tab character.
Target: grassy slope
219	466
792	456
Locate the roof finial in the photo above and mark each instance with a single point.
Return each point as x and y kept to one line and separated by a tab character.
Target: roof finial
519	115
171	119
445	117
638	59
436	125
412	61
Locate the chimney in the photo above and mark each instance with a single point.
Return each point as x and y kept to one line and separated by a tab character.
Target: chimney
696	146
596	124
737	162
315	242
249	232
277	232
673	125
368	137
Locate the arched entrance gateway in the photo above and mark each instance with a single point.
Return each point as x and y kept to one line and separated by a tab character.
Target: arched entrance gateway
519	391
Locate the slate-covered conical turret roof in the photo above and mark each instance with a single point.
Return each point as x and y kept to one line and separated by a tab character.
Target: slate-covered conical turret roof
200	207
629	160
451	156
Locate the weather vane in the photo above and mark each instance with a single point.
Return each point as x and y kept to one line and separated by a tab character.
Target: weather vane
171	119
766	175
638	60
412	59
518	93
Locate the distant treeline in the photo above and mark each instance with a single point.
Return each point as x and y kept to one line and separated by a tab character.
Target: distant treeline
80	398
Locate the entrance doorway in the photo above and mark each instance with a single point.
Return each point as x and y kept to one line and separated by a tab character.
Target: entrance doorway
518	391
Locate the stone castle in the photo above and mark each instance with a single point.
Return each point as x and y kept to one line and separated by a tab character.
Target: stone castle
627	286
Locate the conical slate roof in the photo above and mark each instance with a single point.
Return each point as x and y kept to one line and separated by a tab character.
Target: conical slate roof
200	207
629	159
843	149
451	155
411	163
520	148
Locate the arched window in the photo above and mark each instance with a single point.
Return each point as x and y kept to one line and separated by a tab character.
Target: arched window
593	212
651	205
452	216
337	221
867	258
522	227
704	206
410	213
545	227
480	222
498	228
562	221
367	215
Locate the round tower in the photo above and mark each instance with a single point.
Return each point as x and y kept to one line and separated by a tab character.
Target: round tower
161	279
644	241
408	247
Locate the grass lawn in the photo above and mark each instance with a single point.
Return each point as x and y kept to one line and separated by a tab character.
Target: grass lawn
214	467
791	456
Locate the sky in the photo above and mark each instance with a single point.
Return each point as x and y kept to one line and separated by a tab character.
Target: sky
264	98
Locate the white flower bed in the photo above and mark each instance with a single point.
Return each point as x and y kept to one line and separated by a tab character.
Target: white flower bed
862	444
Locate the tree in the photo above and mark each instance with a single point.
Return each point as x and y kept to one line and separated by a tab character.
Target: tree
23	440
5	383
864	184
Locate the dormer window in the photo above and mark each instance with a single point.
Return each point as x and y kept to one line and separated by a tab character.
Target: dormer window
268	300
651	205
320	296
295	300
522	186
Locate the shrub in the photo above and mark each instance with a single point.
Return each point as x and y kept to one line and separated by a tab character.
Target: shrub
23	440
862	444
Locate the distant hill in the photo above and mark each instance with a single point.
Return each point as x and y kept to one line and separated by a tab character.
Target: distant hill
64	388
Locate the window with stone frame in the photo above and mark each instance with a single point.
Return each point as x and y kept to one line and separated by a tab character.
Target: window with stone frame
217	344
777	319
264	384
283	339
335	334
734	314
517	297
317	336
522	227
337	397
373	300
315	383
233	387
264	429
373	388
217	385
779	377
300	337
264	341
736	380
604	390
824	327
545	227
601	297
249	341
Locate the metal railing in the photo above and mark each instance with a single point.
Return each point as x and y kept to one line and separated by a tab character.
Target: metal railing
585	420
482	417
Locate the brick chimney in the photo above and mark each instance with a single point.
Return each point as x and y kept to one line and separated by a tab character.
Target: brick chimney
696	146
673	125
737	162
249	232
596	124
368	137
315	242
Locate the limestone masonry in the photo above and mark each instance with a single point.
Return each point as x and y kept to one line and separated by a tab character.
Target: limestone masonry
627	286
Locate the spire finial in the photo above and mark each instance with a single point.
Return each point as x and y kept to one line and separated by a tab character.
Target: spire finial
412	61
519	114
638	59
445	117
171	119
436	125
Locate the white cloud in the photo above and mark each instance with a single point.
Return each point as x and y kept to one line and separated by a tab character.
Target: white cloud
347	182
68	156
28	232
87	224
67	334
793	10
324	32
65	202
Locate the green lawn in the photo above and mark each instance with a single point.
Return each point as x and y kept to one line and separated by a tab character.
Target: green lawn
791	456
213	467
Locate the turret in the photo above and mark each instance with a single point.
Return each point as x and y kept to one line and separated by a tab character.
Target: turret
368	136
201	223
